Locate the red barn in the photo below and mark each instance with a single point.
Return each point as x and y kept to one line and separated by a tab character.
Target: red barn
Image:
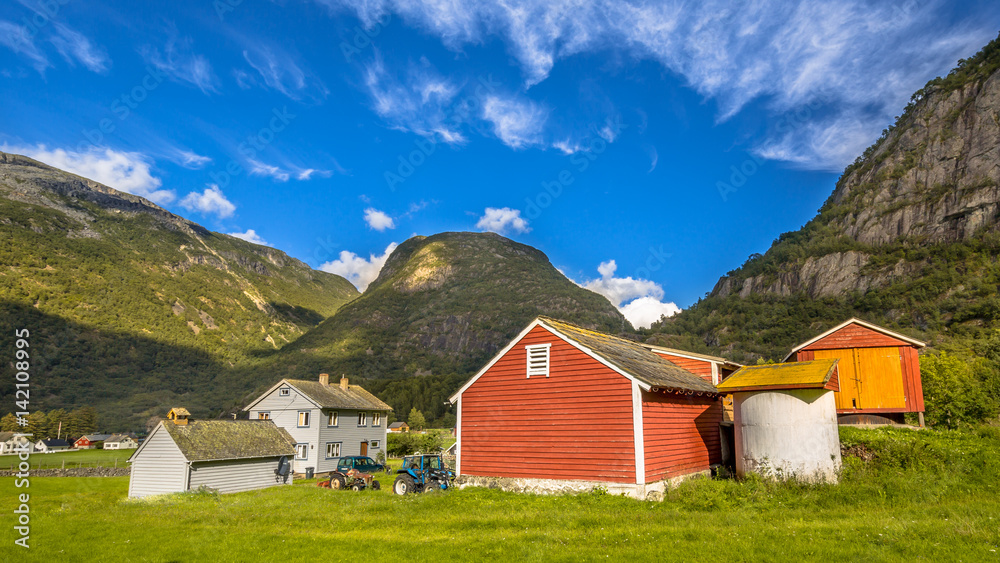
566	408
710	368
879	371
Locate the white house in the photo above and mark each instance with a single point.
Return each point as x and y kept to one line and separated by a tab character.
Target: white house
49	446
226	455
327	421
12	443
120	442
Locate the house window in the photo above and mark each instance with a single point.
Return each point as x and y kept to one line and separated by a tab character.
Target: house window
283	392
538	359
332	450
376	419
333	419
303	419
362	418
301	451
373	444
263	416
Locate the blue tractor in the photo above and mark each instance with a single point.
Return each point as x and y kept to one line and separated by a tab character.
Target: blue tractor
422	473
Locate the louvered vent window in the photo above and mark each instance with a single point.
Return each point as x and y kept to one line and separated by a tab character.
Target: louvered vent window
538	359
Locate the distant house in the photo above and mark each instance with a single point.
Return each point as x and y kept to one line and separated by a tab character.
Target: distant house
12	443
399	427
879	371
327	421
120	442
90	441
586	409
49	446
226	455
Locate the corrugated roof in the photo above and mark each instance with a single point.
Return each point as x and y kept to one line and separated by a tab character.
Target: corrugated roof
333	397
633	358
203	440
814	374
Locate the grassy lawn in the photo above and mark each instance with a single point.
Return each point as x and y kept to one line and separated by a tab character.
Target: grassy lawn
85	458
926	495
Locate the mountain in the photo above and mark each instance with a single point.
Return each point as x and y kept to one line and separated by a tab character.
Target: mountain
441	307
132	308
908	239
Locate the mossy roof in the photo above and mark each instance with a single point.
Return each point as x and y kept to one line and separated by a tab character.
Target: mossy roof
814	374
334	397
203	440
633	358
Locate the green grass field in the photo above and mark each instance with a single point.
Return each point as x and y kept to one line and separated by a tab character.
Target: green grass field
926	495
80	458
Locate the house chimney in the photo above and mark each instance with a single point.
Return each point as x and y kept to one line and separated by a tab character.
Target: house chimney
343	382
324	379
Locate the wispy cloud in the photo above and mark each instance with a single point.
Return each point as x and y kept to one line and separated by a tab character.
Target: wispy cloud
258	168
503	220
286	173
519	123
281	72
641	301
861	59
74	46
125	171
179	62
17	38
209	202
250	236
379	220
359	271
188	158
417	99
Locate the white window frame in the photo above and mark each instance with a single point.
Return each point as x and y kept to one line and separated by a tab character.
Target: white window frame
376	419
304	446
362	418
339	446
264	415
538	353
374	444
333	419
284	392
307	417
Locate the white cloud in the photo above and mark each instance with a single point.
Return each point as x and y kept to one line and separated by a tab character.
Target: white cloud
124	171
282	73
73	45
503	220
517	122
18	39
179	62
258	168
357	270
379	220
211	201
189	159
250	236
861	60
641	301
418	100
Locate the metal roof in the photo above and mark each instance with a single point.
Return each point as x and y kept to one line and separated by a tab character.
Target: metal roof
203	440
633	358
814	374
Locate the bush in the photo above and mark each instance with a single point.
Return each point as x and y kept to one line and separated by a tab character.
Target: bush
953	393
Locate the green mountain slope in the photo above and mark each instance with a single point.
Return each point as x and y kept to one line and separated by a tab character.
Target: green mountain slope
909	239
136	308
440	308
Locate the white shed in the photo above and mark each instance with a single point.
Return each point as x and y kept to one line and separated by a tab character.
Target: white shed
226	455
785	420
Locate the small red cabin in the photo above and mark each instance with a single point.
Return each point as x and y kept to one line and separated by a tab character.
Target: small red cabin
562	407
879	371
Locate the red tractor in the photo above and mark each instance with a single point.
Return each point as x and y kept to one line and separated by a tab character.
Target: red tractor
352	479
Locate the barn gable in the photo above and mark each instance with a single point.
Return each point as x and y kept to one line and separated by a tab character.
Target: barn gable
853	333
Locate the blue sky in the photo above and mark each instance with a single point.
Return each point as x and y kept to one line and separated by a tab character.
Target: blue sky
647	148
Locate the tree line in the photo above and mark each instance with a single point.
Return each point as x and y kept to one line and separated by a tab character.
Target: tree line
55	423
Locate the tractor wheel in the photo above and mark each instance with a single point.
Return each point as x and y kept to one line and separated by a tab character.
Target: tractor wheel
355	487
336	482
431	485
375	485
404	484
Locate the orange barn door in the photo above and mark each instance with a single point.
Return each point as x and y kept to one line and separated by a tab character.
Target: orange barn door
882	378
849	396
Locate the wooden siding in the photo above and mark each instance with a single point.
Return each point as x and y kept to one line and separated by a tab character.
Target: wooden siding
855	336
159	468
237	475
702	368
871	379
284	412
911	379
681	434
350	436
575	424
